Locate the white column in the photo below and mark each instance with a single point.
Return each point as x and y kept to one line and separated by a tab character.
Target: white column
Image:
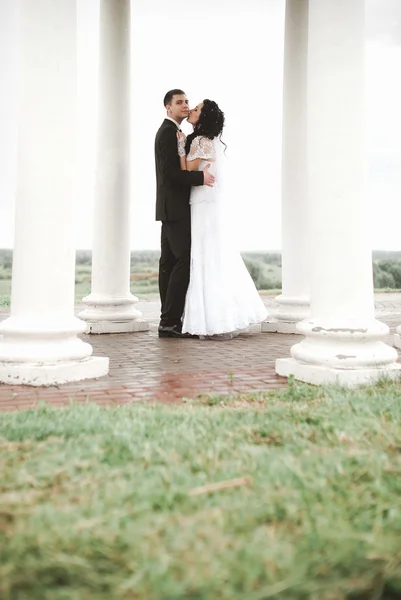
39	344
294	301
110	306
343	340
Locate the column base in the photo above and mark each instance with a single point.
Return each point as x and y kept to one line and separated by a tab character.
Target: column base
276	326
98	327
291	310
319	375
397	340
56	374
112	314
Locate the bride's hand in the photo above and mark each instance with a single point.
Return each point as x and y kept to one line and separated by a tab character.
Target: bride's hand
181	139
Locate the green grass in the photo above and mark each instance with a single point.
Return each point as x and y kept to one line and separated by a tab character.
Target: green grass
273	292
145	289
96	503
141	290
5	301
5	287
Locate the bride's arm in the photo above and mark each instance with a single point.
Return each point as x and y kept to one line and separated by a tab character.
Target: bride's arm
181	139
185	164
193	165
198	152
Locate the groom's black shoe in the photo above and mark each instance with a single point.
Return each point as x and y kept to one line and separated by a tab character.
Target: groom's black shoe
173	331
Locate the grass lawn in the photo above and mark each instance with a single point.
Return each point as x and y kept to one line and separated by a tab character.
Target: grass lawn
133	503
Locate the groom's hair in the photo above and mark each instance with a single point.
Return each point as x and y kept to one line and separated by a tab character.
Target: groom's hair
168	98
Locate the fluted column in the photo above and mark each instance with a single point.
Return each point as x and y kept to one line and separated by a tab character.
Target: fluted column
110	306
293	303
343	341
39	344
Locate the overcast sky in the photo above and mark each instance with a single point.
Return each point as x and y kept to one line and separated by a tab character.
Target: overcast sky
230	51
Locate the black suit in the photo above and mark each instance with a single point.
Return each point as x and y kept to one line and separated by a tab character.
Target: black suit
172	208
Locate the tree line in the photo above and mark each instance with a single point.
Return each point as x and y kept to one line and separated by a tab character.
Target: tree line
264	267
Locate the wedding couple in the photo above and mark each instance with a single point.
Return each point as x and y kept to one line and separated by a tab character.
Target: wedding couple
205	288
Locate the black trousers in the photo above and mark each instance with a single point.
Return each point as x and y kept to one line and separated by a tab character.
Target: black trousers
174	268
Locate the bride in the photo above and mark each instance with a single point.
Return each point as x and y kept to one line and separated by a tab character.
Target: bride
221	299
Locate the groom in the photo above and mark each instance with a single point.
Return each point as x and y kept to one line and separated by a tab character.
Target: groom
173	210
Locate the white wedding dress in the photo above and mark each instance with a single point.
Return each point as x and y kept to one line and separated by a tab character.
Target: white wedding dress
221	299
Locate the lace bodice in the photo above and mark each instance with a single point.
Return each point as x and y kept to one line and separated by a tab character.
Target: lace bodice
202	147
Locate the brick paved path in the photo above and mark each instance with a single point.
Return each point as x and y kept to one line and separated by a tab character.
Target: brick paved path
142	367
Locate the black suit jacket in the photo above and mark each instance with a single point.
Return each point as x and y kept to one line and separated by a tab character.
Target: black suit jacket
173	185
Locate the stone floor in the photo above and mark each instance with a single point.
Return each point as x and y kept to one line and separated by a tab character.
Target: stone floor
146	368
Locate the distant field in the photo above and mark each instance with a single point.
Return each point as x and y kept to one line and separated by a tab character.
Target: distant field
144	281
144	273
264	268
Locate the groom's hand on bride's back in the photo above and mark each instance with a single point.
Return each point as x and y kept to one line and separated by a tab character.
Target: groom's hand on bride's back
208	178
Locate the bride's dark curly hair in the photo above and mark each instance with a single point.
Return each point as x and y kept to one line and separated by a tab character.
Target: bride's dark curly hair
210	123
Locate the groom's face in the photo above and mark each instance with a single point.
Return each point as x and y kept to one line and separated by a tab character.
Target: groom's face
179	108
